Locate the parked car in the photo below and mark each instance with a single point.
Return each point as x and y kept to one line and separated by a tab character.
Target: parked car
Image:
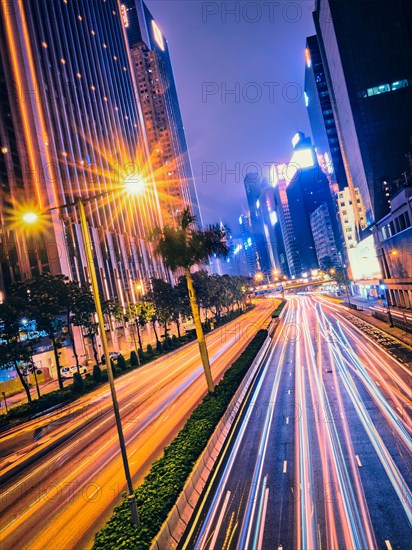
114	356
68	372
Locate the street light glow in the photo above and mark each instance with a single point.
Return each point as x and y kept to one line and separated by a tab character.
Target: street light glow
30	218
134	185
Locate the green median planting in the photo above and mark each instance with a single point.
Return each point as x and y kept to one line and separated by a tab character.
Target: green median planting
279	309
167	476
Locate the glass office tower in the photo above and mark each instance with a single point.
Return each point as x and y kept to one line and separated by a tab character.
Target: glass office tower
366	49
161	111
71	125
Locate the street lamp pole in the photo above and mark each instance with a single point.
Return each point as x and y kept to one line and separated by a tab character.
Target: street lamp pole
131	497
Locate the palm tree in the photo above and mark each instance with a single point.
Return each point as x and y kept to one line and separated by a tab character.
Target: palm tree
183	247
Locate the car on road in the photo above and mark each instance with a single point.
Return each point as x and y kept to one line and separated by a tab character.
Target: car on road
68	372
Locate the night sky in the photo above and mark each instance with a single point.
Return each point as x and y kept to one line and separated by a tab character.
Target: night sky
259	50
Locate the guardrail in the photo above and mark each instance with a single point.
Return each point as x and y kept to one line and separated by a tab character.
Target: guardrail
175	525
402	320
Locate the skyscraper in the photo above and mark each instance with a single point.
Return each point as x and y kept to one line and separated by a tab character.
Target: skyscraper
161	112
254	185
71	125
323	236
320	113
366	50
249	245
278	177
307	189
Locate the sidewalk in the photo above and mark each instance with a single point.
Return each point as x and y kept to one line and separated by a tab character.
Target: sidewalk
366	315
402	335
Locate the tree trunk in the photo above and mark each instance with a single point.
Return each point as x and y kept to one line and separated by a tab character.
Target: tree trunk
178	327
139	336
23	381
93	342
76	357
56	357
199	331
155	331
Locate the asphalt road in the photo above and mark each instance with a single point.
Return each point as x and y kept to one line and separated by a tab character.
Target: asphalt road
321	456
67	493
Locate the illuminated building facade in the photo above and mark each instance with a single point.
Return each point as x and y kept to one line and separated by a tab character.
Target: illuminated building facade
71	126
349	212
161	112
254	187
320	113
273	232
249	245
285	220
393	241
324	238
307	189
366	50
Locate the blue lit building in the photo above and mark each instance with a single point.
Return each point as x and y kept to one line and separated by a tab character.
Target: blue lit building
249	245
254	187
307	189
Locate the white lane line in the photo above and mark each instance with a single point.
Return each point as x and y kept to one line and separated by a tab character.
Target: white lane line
287	420
262	523
288	392
220	521
388	545
358	461
285	466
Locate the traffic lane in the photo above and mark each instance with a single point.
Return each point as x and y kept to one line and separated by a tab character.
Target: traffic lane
240	326
374	445
133	407
150	378
235	490
74	504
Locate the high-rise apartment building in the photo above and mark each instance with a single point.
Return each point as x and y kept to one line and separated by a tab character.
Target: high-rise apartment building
323	236
349	212
161	112
71	126
366	50
320	113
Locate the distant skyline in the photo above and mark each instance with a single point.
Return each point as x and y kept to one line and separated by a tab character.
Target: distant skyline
213	51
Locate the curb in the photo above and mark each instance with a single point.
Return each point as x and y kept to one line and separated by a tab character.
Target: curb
175	525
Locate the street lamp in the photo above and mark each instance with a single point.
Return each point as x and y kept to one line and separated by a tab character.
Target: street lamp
31	218
388	303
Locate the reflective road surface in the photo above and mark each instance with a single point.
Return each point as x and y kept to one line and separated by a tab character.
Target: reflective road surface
62	473
321	455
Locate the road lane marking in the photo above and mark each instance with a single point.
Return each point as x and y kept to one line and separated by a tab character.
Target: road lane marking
287	420
262	524
285	466
388	545
358	461
288	392
220	521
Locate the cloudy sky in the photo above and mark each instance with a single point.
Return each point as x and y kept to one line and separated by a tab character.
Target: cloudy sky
239	70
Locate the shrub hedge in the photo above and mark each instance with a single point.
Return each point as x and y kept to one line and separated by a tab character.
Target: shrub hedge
279	309
162	486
